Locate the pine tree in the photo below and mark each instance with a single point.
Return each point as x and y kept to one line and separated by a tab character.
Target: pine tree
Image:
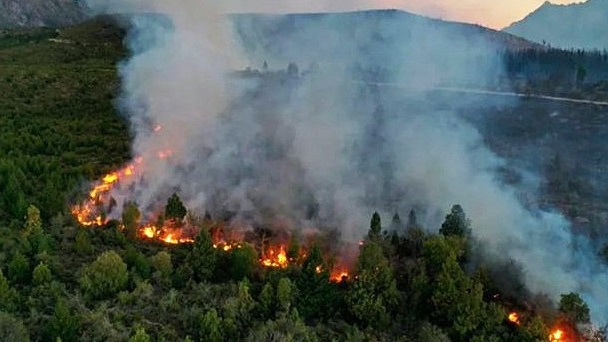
456	222
375	227
175	209
203	257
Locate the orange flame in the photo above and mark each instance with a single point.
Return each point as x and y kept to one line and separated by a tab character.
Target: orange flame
275	258
514	318
148	231
556	336
339	276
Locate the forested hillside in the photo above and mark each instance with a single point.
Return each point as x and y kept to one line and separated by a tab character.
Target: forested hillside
62	281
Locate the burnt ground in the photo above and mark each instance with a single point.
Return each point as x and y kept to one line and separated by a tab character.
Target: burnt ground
566	144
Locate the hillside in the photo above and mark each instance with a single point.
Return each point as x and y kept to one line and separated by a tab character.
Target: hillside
60	280
575	26
37	13
389	41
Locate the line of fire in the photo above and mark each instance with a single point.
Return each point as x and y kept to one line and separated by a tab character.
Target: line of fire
275	250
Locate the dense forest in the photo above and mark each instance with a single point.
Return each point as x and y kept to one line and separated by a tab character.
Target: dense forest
60	281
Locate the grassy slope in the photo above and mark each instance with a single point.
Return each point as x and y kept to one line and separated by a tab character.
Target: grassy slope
57	118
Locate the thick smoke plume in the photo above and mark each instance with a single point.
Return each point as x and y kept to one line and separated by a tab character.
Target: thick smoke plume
355	125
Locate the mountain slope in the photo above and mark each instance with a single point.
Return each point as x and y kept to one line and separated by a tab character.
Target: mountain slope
35	13
579	26
384	43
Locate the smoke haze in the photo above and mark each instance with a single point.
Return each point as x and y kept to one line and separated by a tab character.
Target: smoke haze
356	128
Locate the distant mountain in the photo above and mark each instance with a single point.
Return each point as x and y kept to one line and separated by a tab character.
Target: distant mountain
578	26
383	44
36	13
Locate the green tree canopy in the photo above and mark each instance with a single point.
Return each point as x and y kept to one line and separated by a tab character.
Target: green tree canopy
105	276
175	209
574	308
42	274
375	227
140	336
456	222
64	324
130	219
374	293
12	329
203	257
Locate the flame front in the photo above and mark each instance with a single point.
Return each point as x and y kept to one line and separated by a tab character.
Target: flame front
339	276
514	317
275	257
88	213
556	336
94	211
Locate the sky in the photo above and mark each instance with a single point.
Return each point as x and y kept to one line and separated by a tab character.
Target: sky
491	13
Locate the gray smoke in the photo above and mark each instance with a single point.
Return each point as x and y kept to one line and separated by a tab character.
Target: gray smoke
354	126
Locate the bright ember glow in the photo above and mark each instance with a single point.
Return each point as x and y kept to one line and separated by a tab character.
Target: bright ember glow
275	257
339	276
557	335
89	213
514	317
94	210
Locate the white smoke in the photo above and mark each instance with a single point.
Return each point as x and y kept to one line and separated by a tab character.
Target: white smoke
327	149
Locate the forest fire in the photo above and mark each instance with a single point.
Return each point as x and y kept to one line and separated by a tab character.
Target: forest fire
514	318
557	335
88	213
96	209
339	276
275	257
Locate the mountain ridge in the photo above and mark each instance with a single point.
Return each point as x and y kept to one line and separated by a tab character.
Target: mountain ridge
572	26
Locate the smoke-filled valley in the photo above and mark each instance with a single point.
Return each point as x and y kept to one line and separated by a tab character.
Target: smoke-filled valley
303	126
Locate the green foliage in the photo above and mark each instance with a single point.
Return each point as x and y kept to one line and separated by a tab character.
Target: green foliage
574	308
19	269
266	300
140	336
286	328
456	222
243	261
431	333
203	256
211	327
12	329
285	293
175	209
375	227
162	263
138	262
41	275
64	324
8	295
457	301
82	242
374	293
316	298
130	219
105	276
436	251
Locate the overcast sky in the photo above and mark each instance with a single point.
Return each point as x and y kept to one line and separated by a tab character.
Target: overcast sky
492	13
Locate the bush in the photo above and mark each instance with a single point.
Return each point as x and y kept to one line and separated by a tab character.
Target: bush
106	276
